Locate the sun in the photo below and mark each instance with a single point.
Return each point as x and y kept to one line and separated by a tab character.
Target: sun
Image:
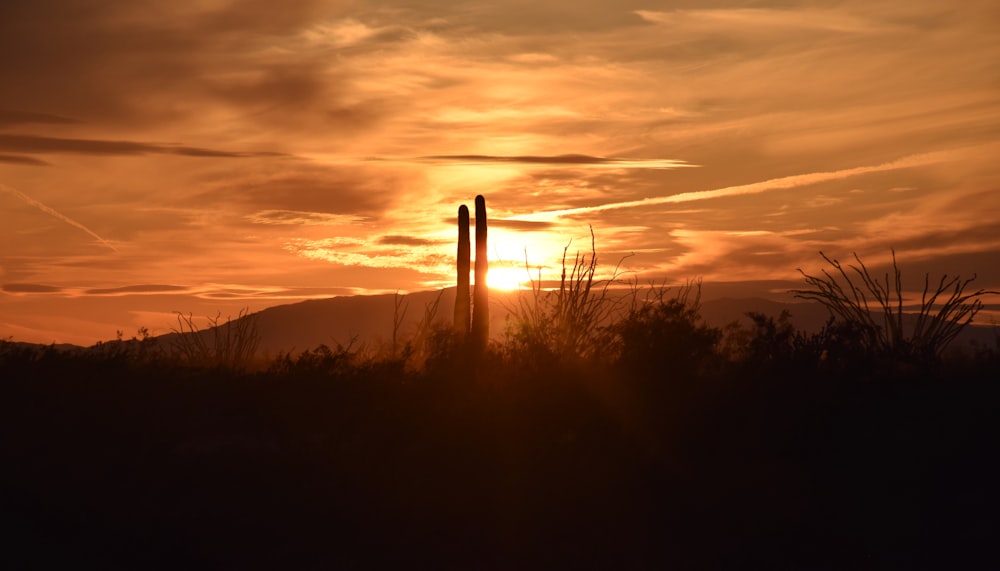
507	278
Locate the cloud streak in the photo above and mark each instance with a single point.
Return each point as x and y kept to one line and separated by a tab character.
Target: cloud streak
56	214
394	240
19	160
37	144
137	289
559	160
30	288
11	117
780	183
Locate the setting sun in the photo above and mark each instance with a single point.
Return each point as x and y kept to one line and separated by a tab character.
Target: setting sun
508	278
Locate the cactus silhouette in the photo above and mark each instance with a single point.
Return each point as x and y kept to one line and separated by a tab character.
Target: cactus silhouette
462	299
480	305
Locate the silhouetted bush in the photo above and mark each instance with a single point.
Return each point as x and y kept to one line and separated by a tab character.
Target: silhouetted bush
663	337
231	344
564	324
874	308
323	361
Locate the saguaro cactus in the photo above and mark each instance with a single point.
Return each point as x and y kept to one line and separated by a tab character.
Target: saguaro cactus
480	305
463	310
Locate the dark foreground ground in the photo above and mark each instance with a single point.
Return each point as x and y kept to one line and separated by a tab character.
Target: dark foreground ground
109	466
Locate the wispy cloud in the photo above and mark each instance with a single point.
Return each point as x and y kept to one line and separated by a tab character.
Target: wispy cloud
422	259
10	117
760	20
751	188
522	225
30	288
301	218
21	160
395	240
567	160
137	289
36	144
53	212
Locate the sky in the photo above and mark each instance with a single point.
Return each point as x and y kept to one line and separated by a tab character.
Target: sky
211	155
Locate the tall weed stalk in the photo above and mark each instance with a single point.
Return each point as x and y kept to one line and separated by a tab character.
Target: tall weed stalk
569	320
231	344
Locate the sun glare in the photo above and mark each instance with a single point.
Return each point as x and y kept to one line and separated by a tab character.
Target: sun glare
507	278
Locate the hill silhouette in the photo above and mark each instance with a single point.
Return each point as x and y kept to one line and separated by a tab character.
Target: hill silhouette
296	327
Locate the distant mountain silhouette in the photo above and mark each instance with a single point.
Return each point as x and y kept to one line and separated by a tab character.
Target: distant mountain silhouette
296	327
805	316
305	325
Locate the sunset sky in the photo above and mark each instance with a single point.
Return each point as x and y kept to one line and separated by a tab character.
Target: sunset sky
210	155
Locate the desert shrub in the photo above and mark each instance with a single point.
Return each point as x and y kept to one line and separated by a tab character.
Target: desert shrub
231	344
451	354
979	354
566	323
875	309
666	334
839	346
12	351
771	339
141	350
320	361
427	339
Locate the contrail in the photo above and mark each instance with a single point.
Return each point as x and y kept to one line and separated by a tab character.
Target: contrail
751	188
57	214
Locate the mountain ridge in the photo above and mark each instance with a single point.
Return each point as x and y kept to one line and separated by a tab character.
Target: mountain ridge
369	319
